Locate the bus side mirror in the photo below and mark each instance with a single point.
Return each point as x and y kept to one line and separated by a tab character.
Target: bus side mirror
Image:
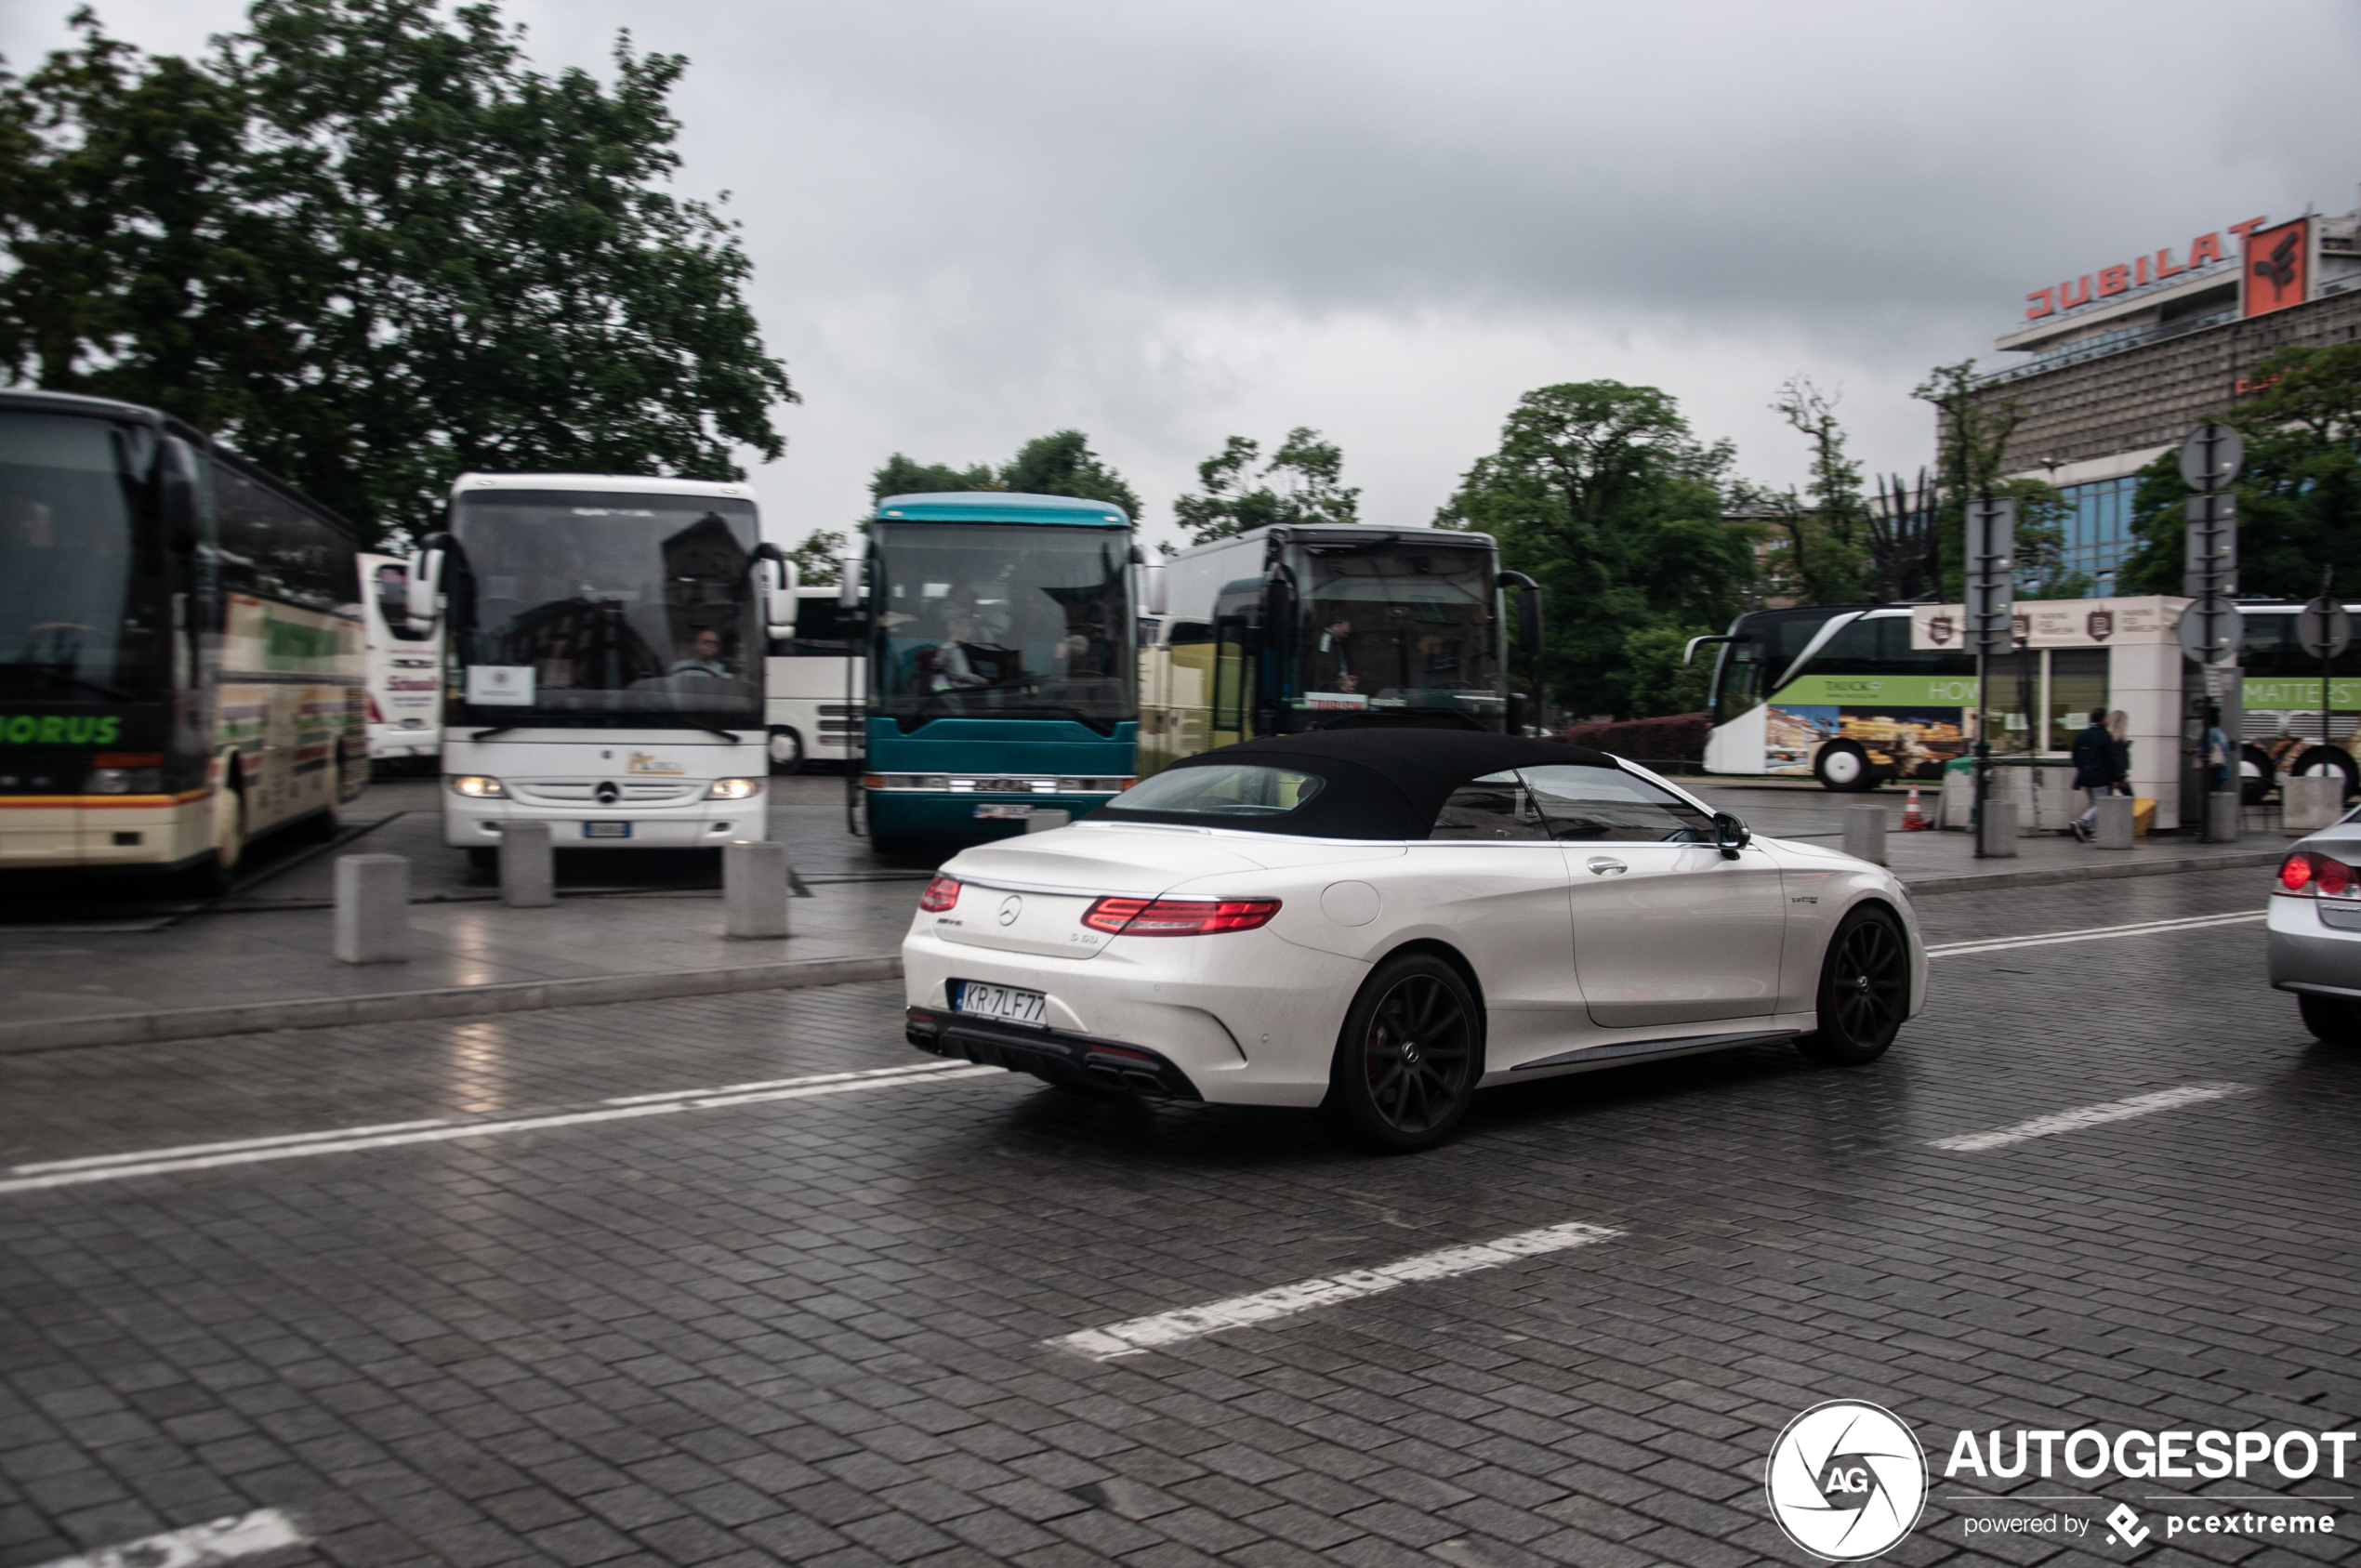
426	583
1512	723
177	495
1529	628
1152	576
1688	654
776	575
848	580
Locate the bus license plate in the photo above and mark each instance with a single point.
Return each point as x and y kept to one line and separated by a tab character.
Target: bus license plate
1002	811
606	830
1003	1002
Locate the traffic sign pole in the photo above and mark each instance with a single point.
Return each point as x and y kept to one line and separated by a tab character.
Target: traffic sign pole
2210	458
1992	586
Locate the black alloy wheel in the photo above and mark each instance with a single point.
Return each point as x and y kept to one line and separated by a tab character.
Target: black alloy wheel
1408	1058
1864	991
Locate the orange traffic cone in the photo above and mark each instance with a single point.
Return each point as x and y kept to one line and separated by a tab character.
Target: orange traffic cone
1913	820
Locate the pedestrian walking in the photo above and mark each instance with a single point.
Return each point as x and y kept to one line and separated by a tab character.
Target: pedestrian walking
2119	727
2096	769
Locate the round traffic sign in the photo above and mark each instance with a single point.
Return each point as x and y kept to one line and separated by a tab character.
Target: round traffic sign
2214	451
2324	628
2210	630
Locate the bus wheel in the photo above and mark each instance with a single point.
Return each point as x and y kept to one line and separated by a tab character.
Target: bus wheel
1844	767
2257	774
786	750
480	859
2322	759
213	876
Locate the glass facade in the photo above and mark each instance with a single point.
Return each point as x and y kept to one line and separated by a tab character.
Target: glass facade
2098	531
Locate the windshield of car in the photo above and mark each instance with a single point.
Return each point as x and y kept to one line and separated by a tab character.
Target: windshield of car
1568	801
1403	625
581	602
1002	620
80	612
1221	790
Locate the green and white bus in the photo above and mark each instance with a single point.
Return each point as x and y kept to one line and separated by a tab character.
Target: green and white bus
181	663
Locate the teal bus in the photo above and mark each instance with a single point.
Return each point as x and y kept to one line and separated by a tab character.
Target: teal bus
1002	676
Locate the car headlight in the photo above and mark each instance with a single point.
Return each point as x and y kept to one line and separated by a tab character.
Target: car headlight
733	789
477	786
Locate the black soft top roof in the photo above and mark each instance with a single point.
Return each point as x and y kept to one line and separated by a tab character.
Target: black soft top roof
1379	782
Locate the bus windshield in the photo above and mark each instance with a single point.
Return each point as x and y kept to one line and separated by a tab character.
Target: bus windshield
1393	626
81	594
578	607
1002	620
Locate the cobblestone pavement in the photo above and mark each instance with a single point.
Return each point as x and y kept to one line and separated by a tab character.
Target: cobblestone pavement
736	1329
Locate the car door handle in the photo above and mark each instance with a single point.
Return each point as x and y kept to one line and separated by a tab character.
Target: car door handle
1605	865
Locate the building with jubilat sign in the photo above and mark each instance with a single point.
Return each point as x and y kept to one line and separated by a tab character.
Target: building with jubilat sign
2126	357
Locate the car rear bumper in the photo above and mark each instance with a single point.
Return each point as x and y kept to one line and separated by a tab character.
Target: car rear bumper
2304	953
1053	1055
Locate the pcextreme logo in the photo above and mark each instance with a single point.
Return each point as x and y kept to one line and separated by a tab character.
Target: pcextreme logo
1847	1481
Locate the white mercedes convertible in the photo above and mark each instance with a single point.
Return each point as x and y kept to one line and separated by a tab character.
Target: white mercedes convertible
1377	922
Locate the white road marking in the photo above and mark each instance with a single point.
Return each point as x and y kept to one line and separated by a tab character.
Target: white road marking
238	1535
162	1162
2092	933
1136	1334
2090	1116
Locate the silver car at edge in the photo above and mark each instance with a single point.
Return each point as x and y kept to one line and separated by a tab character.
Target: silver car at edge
2313	942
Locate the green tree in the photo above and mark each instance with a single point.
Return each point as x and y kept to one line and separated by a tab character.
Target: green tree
902	476
373	248
1310	489
1602	492
819	561
1059	464
1824	556
1062	464
1972	439
2299	495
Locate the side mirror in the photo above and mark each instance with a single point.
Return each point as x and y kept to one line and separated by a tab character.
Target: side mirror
1730	835
1688	654
1152	595
1529	628
776	576
426	583
1513	721
177	493
848	580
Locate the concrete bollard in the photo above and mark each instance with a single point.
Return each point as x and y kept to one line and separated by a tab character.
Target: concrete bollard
373	909
1041	819
528	865
1865	833
2311	803
755	889
1999	829
2111	829
2221	817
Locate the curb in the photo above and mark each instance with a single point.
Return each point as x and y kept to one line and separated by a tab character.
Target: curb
1976	882
463	1001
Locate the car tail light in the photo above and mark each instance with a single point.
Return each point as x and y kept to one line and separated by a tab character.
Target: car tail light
1177	918
940	894
2308	873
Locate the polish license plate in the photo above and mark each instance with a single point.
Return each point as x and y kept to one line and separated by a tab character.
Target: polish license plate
606	830
1003	1002
1000	811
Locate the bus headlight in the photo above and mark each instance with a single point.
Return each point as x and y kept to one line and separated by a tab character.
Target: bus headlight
735	789
477	786
124	780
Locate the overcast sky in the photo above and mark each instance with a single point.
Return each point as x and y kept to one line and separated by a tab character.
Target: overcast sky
1166	224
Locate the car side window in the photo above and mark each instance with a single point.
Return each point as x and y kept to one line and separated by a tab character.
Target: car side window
1608	805
1495	807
